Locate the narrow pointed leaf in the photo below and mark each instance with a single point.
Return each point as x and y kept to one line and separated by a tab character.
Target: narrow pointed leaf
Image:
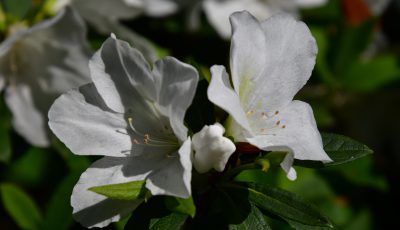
341	149
284	204
255	220
20	207
124	191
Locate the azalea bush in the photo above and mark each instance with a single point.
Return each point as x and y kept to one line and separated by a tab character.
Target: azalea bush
167	114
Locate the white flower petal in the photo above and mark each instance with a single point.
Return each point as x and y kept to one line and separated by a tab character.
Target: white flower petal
49	58
94	210
212	149
28	121
220	92
81	120
176	84
159	8
292	174
296	132
174	177
247	58
271	69
139	42
110	75
310	3
218	12
102	14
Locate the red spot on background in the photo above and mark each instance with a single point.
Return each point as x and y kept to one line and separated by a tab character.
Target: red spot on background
356	11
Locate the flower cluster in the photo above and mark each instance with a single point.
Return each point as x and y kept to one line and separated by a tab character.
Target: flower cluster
133	114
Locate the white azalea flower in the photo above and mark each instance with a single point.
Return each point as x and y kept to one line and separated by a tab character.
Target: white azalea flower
270	62
218	11
133	116
212	149
37	65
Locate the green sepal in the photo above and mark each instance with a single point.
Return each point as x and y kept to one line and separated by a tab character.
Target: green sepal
123	191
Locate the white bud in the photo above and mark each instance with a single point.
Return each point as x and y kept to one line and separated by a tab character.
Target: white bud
212	149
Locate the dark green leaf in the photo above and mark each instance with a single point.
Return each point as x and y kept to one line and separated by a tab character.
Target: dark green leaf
20	207
255	220
340	149
124	191
185	206
155	216
284	204
300	226
172	221
59	212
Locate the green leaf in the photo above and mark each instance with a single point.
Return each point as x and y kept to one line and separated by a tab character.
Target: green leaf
254	220
351	42
17	8
32	167
173	221
124	191
372	74
185	206
154	215
340	149
300	226
284	204
59	211
20	207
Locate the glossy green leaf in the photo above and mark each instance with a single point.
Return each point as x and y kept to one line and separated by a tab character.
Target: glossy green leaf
20	207
254	220
185	206
59	211
124	191
284	204
300	226
173	221
340	149
154	215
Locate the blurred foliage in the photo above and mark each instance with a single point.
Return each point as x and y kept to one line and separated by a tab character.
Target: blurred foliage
353	90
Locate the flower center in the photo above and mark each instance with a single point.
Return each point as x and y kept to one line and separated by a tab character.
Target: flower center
147	139
264	123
